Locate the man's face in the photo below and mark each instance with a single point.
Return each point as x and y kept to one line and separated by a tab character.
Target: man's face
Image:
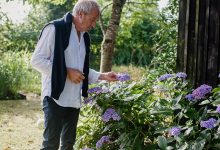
88	21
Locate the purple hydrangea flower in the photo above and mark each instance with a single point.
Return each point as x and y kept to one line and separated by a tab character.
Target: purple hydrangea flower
219	75
106	117
115	116
201	91
165	76
95	90
218	109
175	131
209	124
181	75
103	140
189	97
87	149
88	100
123	77
110	113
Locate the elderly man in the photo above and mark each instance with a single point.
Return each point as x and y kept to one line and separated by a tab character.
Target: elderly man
62	57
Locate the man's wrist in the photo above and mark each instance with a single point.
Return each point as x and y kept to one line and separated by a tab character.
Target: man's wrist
102	76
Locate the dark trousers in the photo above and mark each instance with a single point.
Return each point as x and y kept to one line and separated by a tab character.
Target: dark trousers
59	124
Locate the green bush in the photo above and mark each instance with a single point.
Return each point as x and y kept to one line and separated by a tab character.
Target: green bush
154	113
16	75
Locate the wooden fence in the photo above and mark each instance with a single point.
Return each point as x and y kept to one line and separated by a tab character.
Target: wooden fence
198	52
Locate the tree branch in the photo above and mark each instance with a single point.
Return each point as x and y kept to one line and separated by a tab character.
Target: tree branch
140	3
106	6
101	20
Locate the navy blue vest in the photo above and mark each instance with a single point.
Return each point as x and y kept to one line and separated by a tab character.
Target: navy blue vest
59	71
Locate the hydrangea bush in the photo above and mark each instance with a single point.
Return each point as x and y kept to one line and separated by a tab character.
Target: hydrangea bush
154	113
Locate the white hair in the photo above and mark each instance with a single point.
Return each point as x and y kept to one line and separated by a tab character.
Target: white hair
85	6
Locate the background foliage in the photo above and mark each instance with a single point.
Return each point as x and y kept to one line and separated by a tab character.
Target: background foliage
141	35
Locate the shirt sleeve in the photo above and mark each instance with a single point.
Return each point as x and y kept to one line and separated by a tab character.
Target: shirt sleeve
42	58
93	76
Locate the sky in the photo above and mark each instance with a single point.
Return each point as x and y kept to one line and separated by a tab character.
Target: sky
163	3
17	11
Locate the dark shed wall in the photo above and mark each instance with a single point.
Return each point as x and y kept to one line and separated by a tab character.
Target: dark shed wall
198	51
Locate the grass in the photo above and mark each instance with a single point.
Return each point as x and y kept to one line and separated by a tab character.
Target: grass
136	73
19	124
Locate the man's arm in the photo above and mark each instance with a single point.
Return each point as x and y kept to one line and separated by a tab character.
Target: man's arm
108	76
42	57
94	76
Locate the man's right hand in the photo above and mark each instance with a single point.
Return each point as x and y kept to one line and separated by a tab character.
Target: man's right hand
75	75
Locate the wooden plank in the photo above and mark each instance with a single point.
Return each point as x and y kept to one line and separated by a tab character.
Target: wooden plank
181	34
200	79
186	36
191	41
195	52
213	40
218	11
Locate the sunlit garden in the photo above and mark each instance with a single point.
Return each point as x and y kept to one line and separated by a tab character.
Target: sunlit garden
163	97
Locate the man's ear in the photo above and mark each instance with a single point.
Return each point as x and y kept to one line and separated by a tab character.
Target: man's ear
81	14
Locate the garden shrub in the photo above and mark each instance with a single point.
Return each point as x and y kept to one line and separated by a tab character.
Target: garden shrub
162	113
16	75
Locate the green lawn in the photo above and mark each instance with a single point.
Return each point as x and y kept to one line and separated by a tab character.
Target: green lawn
20	126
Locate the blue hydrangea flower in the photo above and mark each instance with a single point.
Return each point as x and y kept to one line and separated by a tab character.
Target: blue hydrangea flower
165	76
123	77
175	131
189	97
88	100
201	91
87	149
95	90
115	116
106	117
218	109
110	113
209	124
103	140
181	75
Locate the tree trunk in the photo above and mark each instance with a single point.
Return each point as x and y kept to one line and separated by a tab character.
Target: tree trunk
108	43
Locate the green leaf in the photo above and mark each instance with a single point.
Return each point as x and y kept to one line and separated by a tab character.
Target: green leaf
218	131
216	90
162	112
199	145
132	97
188	131
177	99
163	102
184	146
132	85
162	142
192	113
204	102
169	148
160	130
216	102
217	146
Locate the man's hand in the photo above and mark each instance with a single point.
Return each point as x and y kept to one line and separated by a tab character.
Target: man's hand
75	75
108	76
